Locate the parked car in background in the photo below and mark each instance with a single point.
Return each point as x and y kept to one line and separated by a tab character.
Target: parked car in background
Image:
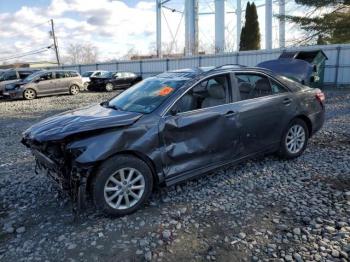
44	83
173	127
113	80
13	75
86	76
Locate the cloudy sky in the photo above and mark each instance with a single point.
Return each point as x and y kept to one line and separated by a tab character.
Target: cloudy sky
114	27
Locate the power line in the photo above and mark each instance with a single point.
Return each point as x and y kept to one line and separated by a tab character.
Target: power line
38	51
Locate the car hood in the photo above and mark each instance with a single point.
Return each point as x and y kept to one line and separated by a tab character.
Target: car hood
77	121
4	83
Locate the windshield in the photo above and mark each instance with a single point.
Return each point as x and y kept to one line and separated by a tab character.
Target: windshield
31	77
87	74
8	75
146	96
106	74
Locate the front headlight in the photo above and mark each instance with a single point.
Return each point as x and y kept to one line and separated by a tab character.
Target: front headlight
76	152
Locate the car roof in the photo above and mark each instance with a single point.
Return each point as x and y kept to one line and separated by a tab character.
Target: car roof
190	73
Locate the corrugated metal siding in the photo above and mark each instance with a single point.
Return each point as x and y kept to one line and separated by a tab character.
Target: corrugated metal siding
250	58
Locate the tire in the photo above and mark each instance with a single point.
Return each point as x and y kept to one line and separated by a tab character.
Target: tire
109	87
29	94
74	90
294	139
112	193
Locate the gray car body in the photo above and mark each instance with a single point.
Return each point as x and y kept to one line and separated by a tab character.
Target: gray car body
18	76
181	146
54	86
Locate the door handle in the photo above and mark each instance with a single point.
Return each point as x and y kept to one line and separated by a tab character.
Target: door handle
287	101
230	113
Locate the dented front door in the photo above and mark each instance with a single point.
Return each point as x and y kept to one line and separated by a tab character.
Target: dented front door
199	138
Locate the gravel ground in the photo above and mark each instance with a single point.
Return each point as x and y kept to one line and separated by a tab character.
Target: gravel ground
263	209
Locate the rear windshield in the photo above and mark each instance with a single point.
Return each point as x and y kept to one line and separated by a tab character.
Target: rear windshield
291	83
147	95
87	74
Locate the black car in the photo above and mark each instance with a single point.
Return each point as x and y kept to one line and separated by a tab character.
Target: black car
108	81
173	127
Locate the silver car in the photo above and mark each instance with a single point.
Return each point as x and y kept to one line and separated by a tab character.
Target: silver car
10	76
45	83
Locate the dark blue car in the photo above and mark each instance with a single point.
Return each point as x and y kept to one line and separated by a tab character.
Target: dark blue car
173	127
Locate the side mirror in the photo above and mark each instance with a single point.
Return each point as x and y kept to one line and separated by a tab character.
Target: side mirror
314	68
37	80
173	111
312	79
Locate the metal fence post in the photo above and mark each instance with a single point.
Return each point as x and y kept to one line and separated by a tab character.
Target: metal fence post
337	66
167	64
116	66
237	58
79	66
96	66
200	61
141	73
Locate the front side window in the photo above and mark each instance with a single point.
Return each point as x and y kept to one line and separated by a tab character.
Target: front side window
61	74
24	74
146	96
208	93
46	76
255	85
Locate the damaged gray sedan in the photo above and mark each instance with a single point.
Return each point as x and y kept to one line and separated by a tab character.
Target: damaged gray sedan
173	127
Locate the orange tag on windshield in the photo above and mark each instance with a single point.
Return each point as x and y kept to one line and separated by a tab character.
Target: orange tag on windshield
166	90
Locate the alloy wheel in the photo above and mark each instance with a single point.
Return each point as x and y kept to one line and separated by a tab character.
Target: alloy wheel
124	188
74	90
295	139
109	87
29	94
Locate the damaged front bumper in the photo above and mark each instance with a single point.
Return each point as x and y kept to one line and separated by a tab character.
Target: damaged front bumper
60	166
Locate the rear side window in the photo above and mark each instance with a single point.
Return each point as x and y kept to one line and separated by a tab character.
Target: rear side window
254	85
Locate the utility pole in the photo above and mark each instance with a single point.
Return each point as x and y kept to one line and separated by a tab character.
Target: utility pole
54	41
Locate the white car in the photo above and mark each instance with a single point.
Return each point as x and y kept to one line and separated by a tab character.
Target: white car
86	76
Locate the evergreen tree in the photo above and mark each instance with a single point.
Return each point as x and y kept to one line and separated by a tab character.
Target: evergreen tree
250	34
331	27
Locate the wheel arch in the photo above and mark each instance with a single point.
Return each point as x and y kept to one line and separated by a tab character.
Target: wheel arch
307	122
149	162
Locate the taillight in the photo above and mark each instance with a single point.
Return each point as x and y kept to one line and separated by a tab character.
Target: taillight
320	96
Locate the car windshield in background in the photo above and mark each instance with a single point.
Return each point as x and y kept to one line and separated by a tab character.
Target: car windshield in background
146	96
106	74
31	77
87	74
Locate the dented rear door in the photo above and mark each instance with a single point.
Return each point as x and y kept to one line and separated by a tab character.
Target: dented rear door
199	138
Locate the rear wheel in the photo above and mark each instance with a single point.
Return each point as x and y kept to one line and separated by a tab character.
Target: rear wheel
74	89
122	185
29	94
294	140
109	87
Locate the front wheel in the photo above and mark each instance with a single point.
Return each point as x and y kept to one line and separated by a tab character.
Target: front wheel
29	94
73	90
294	140
122	185
109	87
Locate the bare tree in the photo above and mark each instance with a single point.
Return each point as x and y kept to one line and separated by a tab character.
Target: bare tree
81	53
